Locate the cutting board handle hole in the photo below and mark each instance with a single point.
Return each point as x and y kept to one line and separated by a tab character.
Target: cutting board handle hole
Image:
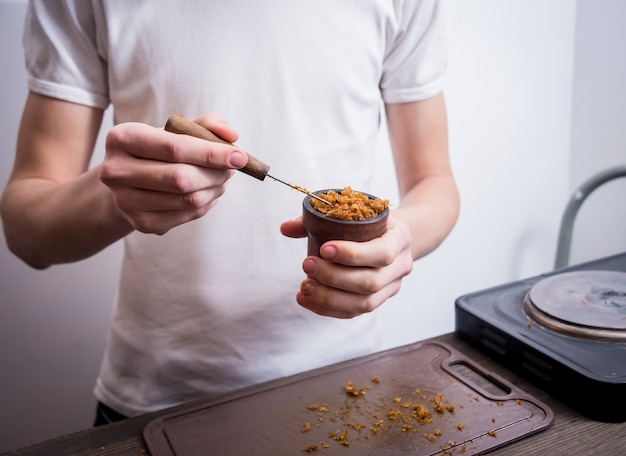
478	380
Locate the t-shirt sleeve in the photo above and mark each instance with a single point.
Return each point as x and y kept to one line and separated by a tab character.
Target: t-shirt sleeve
417	55
61	53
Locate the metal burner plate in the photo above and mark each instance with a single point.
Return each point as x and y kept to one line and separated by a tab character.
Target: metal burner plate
582	303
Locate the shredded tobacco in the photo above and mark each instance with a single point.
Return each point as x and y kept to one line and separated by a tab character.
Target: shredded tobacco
349	205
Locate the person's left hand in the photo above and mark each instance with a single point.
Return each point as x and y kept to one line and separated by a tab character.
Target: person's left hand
353	278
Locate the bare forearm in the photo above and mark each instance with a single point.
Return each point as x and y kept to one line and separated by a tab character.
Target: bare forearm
47	222
429	199
430	209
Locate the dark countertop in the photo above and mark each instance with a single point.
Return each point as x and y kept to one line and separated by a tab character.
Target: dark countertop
570	434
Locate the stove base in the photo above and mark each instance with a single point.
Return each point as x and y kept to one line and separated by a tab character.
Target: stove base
586	375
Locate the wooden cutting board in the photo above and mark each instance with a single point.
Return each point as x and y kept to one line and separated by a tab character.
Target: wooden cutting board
420	399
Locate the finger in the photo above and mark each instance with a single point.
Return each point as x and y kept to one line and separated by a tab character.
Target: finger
217	123
361	280
163	221
130	199
340	304
158	212
379	252
146	142
160	176
306	299
324	311
293	228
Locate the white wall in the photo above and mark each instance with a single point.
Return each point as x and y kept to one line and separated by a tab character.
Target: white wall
598	126
510	95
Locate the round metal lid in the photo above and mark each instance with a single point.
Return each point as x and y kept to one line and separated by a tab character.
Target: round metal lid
582	303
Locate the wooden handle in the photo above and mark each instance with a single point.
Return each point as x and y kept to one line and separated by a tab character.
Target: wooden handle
181	125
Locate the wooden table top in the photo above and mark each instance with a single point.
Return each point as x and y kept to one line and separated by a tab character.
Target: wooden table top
570	434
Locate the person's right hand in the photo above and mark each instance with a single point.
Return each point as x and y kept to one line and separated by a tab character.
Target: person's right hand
160	180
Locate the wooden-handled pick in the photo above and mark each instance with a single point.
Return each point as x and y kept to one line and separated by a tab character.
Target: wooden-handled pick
255	167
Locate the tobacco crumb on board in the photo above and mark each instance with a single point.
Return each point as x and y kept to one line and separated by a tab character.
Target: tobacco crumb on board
341	438
353	390
365	416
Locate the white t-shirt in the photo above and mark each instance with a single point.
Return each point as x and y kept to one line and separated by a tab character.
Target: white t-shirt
210	306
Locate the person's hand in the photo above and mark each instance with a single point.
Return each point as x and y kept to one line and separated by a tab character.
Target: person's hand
352	278
160	180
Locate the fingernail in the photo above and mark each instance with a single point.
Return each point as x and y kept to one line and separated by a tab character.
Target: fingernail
309	265
237	159
307	288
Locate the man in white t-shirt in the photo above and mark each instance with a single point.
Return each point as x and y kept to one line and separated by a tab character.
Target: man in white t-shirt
214	294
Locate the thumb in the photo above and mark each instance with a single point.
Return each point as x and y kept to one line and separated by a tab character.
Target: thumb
293	228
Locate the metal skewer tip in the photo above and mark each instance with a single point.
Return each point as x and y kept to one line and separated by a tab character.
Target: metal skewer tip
300	189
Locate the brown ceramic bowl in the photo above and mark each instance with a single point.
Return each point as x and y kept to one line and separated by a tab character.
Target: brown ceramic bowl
321	228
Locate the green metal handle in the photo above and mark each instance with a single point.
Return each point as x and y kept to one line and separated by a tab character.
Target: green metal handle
571	210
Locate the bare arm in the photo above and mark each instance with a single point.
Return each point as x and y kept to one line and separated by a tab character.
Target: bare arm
429	200
53	209
56	210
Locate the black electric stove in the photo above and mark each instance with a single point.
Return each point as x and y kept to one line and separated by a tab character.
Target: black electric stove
565	331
